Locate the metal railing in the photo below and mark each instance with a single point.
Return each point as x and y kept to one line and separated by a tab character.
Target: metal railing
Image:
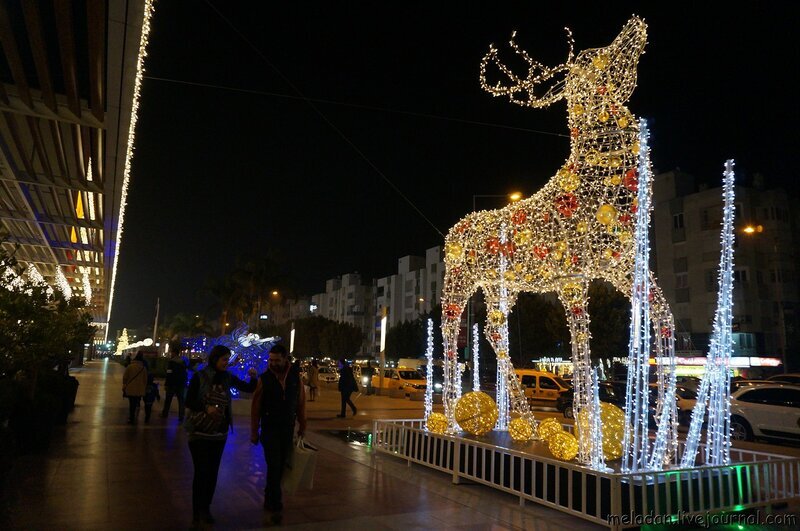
756	479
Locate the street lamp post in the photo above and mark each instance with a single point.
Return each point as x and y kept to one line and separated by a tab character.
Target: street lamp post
513	197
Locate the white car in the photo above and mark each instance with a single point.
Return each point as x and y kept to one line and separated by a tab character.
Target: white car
328	375
770	411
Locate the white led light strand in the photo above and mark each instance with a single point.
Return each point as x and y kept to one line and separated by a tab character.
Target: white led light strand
63	284
149	7
636	433
429	372
597	460
714	392
476	366
87	288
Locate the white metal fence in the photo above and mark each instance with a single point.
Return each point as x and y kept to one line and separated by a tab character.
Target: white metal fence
756	479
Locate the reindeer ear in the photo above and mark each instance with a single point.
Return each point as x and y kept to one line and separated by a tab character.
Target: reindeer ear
621	58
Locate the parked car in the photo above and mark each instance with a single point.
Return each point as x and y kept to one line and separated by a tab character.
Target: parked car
791	378
542	388
738	384
608	393
404	378
768	411
685	400
689	382
328	375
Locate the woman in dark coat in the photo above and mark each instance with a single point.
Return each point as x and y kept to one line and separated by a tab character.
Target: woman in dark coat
207	422
347	386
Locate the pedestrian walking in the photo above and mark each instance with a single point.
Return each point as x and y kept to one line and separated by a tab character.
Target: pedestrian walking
151	394
134	384
347	386
313	380
278	404
175	383
208	422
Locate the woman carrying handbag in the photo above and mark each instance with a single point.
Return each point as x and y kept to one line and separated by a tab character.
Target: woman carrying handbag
208	419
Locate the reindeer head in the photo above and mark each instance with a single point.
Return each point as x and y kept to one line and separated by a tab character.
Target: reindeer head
609	72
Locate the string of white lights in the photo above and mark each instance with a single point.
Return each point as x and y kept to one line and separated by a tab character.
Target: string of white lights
636	432
714	392
501	342
476	365
598	461
63	284
429	372
87	287
149	7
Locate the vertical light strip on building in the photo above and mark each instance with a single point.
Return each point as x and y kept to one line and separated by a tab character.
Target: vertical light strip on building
148	13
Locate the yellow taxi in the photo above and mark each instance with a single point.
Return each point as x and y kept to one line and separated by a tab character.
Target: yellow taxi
541	387
405	378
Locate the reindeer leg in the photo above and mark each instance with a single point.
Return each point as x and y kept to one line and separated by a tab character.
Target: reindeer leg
573	296
497	334
452	308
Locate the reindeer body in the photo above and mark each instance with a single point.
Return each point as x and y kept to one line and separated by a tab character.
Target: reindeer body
577	228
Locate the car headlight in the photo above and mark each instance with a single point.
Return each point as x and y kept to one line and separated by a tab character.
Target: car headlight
365	380
437	386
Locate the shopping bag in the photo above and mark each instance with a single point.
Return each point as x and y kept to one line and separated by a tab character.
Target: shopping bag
299	471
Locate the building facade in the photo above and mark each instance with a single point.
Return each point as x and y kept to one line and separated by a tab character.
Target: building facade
415	289
686	223
348	300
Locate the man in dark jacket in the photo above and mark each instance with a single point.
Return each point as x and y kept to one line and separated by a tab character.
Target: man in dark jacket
175	383
279	402
347	386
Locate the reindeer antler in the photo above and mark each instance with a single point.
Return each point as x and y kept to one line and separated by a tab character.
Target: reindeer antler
537	73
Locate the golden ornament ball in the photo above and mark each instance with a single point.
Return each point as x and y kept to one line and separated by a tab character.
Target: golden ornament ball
622	122
510	276
454	250
606	214
603	116
601	61
612	420
581	227
549	427
497	317
520	429
436	423
476	413
523	237
563	445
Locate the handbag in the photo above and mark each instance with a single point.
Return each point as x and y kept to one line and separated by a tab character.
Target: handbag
204	422
299	471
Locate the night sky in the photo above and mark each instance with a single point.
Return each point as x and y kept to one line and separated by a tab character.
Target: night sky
220	173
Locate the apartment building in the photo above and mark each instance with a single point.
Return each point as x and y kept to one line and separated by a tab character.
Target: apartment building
686	225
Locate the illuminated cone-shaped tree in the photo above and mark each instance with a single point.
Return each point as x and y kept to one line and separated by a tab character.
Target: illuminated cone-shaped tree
123	342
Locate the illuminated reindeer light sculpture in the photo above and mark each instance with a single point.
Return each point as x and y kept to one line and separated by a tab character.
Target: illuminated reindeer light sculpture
579	227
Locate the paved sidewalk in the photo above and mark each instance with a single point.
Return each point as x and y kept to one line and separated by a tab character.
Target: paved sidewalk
103	474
